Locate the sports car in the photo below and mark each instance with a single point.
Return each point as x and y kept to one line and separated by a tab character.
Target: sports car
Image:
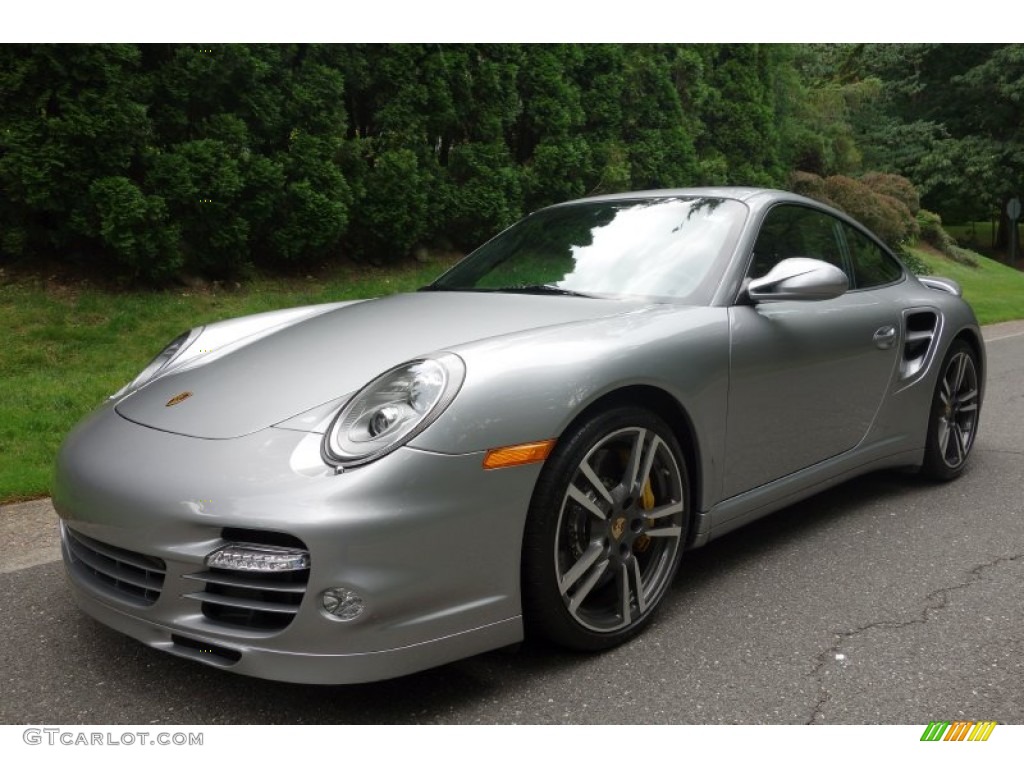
525	447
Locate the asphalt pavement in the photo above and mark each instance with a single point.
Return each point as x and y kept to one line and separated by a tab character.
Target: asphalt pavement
885	600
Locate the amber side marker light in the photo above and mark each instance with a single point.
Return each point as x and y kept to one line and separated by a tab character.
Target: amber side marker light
514	455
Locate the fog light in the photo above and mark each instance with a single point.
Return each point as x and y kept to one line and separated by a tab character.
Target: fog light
258	557
342	604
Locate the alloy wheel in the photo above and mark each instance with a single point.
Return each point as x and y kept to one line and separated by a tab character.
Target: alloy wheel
620	529
958	395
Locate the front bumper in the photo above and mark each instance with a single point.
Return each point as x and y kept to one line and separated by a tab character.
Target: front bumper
431	542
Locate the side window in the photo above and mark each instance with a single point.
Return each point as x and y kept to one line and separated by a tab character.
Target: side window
871	265
791	231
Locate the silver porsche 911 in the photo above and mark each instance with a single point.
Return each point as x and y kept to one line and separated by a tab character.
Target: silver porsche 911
355	491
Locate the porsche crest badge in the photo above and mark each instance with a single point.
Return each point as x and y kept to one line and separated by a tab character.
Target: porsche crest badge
178	398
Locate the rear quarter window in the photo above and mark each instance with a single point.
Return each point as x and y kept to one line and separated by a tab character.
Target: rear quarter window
872	265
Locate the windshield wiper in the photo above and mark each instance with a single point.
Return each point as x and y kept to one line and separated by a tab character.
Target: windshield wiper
537	289
542	289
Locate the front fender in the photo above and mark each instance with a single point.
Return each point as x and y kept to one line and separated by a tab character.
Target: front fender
531	386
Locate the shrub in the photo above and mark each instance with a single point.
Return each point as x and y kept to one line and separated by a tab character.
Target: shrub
887	217
892	185
134	228
809	185
963	256
312	209
13	240
482	194
913	262
933	233
930	225
202	182
899	221
392	202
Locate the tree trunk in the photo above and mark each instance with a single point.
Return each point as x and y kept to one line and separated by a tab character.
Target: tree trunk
1002	243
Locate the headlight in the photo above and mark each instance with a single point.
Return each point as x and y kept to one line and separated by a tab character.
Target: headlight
172	352
392	409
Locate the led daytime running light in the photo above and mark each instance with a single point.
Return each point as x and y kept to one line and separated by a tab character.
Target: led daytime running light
258	558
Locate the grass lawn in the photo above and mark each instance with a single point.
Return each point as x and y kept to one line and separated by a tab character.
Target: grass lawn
994	290
66	349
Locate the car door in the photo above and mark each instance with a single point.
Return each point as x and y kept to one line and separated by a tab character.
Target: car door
806	377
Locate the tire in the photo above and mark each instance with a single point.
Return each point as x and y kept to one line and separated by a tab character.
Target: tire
953	422
606	527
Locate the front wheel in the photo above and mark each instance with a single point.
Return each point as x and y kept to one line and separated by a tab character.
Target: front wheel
953	423
605	530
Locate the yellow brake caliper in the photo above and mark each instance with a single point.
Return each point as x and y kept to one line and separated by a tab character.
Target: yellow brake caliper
647	502
642	543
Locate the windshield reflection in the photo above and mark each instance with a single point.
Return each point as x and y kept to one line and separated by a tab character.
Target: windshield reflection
667	248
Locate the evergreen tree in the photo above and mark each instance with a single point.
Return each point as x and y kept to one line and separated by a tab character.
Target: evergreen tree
157	159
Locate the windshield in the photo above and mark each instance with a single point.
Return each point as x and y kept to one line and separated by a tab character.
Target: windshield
664	248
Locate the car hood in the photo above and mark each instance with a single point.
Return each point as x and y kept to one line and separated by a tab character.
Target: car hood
332	354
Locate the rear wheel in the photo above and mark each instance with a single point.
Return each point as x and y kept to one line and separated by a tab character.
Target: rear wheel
954	416
605	530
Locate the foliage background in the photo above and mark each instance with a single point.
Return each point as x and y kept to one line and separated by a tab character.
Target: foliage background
144	162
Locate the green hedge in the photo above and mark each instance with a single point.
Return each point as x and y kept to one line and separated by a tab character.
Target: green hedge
144	161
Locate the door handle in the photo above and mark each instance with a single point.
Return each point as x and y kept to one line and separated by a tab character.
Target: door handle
885	336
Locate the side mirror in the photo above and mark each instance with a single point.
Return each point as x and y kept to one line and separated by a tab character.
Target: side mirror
799	280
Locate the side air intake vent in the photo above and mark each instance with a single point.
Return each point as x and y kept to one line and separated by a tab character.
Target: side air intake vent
921	329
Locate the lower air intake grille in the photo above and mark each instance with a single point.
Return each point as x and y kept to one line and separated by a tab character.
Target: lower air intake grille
260	601
126	575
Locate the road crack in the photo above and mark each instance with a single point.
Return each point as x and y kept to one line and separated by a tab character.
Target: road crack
934	602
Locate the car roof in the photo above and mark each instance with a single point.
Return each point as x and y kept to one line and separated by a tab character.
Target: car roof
754	197
733	193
